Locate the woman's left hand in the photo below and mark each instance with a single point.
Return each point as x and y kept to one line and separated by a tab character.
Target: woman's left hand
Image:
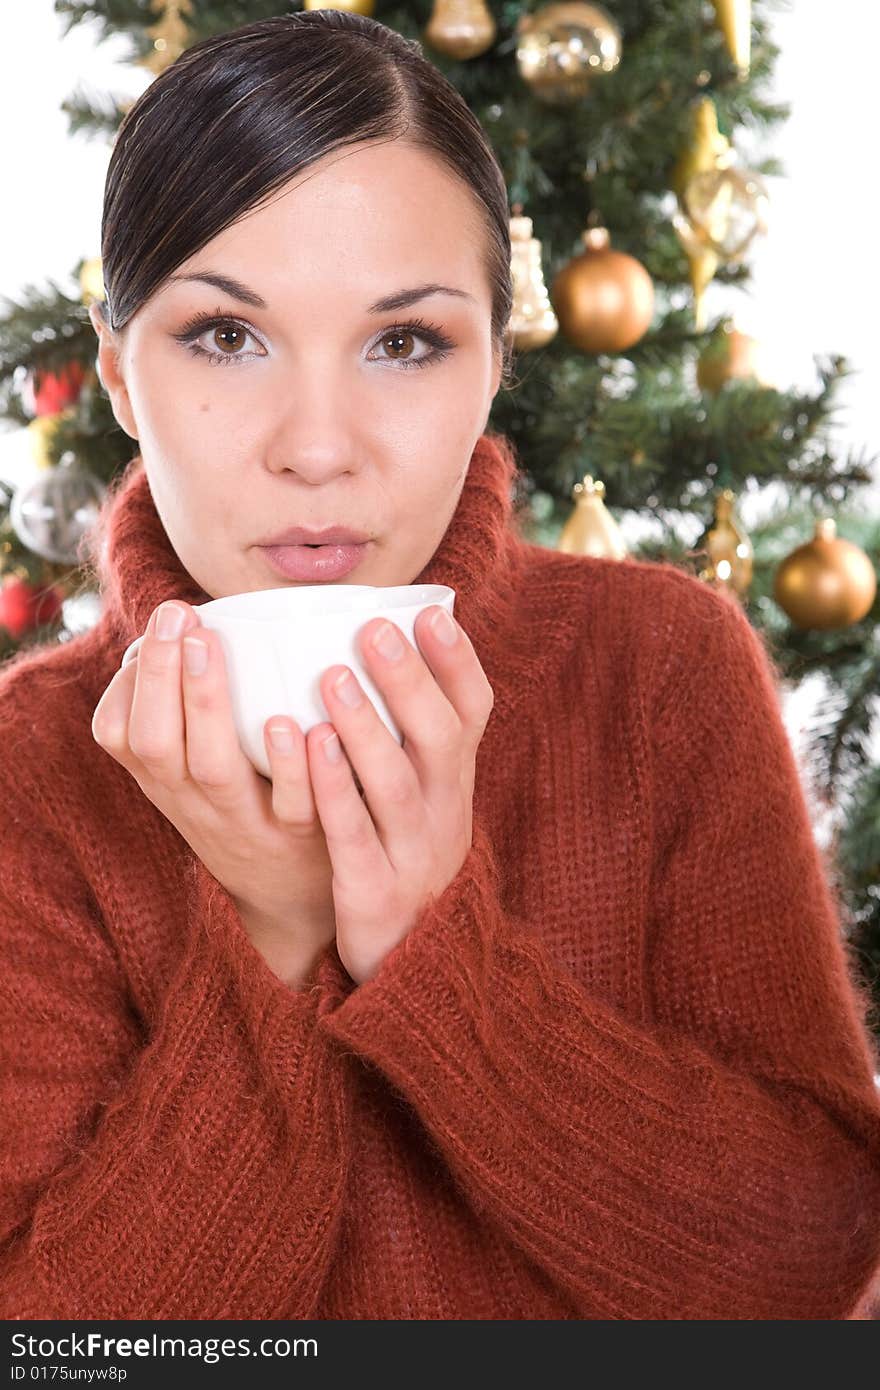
408	837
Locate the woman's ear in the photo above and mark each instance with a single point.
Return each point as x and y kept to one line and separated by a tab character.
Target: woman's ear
110	374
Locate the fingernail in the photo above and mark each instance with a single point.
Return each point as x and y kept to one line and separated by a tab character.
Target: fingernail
388	643
169	622
348	690
332	748
195	654
444	628
281	738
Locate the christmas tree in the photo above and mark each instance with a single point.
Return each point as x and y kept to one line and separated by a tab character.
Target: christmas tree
616	128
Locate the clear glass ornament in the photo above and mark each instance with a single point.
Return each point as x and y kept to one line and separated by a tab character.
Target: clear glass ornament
727	208
52	514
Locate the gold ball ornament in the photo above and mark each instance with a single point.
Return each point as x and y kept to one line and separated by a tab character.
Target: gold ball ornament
353	6
827	583
604	299
733	356
461	29
591	529
562	49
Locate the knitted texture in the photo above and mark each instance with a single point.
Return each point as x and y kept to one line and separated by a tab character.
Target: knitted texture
619	1068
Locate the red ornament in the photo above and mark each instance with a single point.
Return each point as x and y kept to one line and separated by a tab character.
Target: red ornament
54	391
25	606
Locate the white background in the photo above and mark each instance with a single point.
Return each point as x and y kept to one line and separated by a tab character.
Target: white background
814	287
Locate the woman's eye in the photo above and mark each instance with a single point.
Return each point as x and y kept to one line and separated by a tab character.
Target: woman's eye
400	338
227	337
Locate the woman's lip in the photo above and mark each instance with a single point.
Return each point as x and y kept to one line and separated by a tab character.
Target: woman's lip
315	564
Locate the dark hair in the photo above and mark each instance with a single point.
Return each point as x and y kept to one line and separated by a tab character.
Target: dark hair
239	114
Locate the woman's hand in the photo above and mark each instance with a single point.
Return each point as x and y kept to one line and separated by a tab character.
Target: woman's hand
173	731
410	834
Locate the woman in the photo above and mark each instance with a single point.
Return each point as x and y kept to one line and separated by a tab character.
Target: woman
555	1019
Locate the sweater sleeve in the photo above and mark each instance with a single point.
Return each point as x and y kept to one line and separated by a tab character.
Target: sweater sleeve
195	1173
721	1160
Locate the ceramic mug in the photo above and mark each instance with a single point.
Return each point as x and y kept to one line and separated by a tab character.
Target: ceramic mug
277	643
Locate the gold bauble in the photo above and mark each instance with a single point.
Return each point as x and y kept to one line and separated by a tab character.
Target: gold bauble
562	48
604	299
461	28
706	149
353	6
591	529
826	583
730	552
735	22
727	208
532	321
171	35
91	282
734	356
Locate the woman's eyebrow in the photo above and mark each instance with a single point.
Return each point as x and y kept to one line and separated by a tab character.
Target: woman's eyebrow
399	300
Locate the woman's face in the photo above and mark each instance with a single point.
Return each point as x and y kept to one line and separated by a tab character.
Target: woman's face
310	415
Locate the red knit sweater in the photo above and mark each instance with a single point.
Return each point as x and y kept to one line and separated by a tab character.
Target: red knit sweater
618	1069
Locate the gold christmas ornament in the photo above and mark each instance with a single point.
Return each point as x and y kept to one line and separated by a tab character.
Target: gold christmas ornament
827	583
730	554
591	529
733	356
721	207
735	22
706	149
727	209
532	320
91	281
604	299
461	28
353	6
561	49
171	35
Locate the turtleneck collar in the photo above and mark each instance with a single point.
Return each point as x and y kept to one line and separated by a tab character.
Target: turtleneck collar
138	568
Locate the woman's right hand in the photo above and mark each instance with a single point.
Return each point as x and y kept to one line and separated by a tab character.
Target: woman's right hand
174	732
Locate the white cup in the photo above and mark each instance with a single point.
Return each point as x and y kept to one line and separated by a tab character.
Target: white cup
277	643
